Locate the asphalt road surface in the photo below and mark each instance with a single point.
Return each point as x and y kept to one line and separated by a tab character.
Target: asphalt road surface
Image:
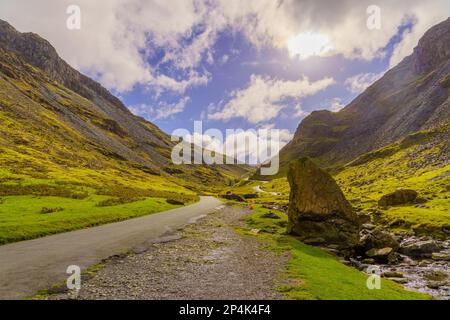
29	266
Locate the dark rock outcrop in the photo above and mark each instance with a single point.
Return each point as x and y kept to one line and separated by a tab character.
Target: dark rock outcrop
398	197
232	196
270	215
378	244
378	239
419	248
318	211
175	202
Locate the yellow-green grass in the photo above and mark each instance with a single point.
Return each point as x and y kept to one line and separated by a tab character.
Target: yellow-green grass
23	217
247	187
82	193
312	273
364	184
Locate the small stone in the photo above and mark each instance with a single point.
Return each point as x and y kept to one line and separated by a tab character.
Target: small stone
362	267
442	256
384	252
398	280
436	275
368	226
232	196
270	215
378	239
436	284
424	263
393	258
413	263
393	274
368	261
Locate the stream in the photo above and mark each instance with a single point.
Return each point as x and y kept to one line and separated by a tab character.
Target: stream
426	275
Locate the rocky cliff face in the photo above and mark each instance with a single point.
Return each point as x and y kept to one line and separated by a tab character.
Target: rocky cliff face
318	211
412	97
41	54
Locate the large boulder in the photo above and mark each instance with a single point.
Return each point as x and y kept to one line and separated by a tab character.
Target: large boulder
398	197
318	209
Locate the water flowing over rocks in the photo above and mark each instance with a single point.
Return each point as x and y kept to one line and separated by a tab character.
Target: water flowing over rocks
421	270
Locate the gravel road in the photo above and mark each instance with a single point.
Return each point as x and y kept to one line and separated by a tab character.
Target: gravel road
209	261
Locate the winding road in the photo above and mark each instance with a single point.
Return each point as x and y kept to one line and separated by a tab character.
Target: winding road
29	266
258	189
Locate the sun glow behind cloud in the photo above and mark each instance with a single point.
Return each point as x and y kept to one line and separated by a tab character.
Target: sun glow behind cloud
305	45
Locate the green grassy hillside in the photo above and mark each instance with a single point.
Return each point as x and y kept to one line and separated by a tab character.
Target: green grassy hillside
72	155
419	162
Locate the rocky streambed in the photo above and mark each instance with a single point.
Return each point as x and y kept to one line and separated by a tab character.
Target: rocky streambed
422	264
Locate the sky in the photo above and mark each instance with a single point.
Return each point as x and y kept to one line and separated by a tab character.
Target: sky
232	64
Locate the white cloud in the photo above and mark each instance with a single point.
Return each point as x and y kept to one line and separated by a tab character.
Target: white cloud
194	79
336	105
362	81
299	112
264	98
224	59
250	151
162	111
343	23
117	36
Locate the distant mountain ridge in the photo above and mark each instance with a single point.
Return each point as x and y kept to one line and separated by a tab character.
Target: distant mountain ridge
40	53
411	97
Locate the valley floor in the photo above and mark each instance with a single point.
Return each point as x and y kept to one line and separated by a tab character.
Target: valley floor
29	266
233	253
210	261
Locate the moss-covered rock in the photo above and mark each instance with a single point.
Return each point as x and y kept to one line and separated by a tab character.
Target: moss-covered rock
318	208
398	197
377	239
